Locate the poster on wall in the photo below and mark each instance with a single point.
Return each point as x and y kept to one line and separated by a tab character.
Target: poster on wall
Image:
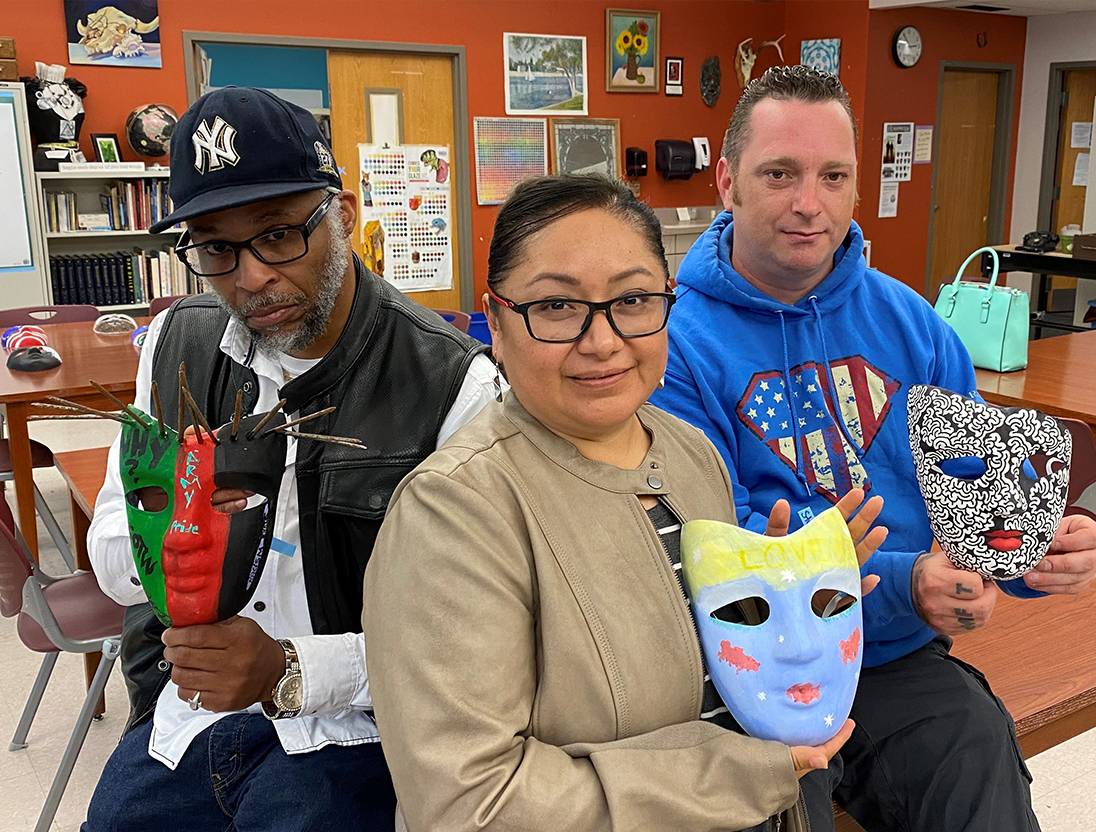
508	150
114	33
888	199
897	151
406	218
823	54
544	73
922	144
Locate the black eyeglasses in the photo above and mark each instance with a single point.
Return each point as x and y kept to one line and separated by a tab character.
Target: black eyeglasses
275	246
563	320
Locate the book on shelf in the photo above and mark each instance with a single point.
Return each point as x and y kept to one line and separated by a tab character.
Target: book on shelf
130	205
116	278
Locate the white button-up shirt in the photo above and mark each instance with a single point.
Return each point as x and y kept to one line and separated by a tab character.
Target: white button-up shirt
335	682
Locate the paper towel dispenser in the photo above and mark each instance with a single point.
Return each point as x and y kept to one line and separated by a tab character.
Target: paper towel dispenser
675	159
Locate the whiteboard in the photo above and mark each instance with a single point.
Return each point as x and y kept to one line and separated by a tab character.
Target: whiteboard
24	278
15	240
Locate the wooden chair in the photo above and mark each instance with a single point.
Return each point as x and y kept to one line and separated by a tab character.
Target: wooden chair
461	320
69	614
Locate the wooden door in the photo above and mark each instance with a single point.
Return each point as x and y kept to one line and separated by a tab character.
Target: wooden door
423	86
1068	203
968	115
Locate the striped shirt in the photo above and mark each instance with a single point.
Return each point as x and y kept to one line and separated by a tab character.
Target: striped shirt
668	527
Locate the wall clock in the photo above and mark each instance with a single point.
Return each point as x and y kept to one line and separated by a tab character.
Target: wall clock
907	46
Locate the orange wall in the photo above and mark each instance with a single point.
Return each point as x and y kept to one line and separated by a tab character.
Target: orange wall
900	244
691	29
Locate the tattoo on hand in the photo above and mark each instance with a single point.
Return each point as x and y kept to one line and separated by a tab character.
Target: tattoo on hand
965	618
962	589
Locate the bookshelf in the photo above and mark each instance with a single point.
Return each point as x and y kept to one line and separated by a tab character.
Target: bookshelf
120	269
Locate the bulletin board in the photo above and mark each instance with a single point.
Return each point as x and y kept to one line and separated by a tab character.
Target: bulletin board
406	192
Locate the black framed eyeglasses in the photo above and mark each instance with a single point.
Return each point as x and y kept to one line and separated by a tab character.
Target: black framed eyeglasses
274	246
563	320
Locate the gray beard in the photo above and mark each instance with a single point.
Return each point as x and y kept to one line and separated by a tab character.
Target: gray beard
318	309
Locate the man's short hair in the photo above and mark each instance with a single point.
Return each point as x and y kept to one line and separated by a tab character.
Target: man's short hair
783	83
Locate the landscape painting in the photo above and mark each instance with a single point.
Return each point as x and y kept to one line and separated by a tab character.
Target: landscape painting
544	74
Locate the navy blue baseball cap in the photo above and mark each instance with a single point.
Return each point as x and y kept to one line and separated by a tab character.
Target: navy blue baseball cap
239	145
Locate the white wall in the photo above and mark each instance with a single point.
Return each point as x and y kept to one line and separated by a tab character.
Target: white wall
1051	39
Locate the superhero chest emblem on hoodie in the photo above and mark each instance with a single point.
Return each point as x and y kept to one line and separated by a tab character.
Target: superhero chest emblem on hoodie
819	423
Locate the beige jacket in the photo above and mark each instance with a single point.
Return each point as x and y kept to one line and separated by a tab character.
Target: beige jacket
531	657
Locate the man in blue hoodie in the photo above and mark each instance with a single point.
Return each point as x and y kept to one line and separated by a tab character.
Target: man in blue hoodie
795	359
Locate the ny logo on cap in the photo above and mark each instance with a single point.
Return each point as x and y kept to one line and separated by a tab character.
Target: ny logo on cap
214	147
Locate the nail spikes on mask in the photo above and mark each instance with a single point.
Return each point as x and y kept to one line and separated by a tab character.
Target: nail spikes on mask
780	623
195	564
994	479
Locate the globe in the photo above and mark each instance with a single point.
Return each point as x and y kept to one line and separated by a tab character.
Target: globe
149	129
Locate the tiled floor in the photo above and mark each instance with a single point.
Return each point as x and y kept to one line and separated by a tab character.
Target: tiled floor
1065	777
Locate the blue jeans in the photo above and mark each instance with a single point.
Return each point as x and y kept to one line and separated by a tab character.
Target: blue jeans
236	776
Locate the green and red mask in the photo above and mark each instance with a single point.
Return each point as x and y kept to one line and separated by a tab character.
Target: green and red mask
198	565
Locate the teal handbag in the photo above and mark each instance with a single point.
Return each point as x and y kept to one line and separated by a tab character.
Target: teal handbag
992	321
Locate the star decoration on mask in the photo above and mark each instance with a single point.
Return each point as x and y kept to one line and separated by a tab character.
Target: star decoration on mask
761	695
787	576
780	639
828	720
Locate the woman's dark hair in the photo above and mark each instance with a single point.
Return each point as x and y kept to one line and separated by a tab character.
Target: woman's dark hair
538	202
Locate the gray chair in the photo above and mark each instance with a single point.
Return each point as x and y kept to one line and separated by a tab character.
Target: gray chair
69	614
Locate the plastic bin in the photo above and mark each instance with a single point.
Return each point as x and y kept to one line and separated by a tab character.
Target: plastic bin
478	328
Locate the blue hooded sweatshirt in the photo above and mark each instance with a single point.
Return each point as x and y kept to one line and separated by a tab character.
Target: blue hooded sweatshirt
807	401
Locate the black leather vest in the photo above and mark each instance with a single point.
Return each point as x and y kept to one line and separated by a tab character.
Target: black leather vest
393	376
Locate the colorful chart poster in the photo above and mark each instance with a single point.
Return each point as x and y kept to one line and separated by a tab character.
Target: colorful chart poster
508	150
406	215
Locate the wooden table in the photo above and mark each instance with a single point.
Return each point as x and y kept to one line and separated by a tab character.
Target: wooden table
1060	378
110	359
84	472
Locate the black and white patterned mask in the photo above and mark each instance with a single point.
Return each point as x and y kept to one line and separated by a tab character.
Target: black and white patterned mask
994	479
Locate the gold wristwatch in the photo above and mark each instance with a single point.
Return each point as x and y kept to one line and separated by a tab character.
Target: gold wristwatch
287	696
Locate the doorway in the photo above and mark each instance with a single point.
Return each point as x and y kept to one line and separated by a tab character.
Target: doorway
970	174
1062	202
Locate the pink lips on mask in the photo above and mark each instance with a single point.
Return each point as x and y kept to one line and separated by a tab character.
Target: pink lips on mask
1006	540
804	693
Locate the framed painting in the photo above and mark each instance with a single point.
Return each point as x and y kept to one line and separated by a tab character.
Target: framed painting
631	51
544	73
674	72
113	32
823	54
588	145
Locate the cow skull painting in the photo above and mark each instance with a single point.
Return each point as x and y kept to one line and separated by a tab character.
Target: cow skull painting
109	34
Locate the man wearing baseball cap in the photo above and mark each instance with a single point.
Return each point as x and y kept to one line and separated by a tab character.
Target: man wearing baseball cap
263	721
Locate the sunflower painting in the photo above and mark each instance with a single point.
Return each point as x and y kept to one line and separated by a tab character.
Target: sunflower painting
631	59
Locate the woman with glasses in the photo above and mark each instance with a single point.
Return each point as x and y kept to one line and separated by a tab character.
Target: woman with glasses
532	657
